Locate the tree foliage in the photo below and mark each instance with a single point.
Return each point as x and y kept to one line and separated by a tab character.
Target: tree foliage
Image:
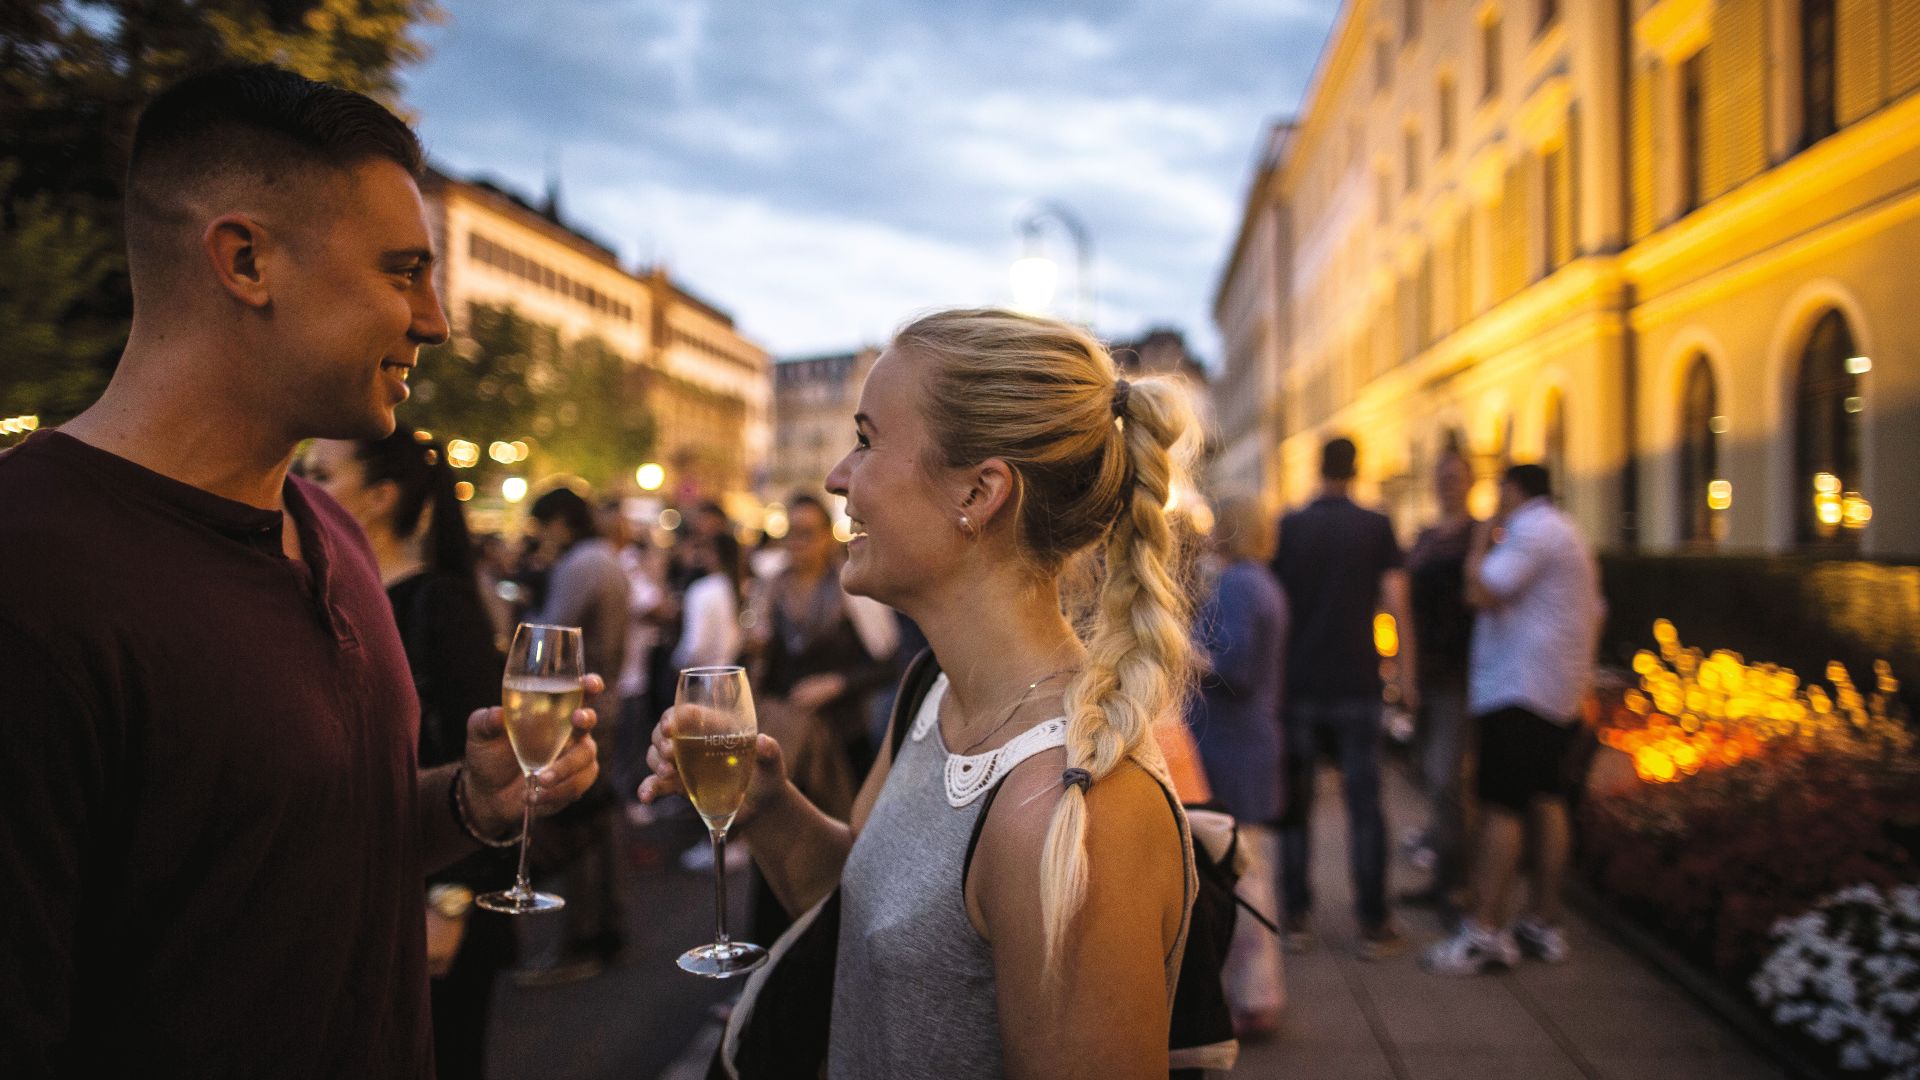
73	76
508	377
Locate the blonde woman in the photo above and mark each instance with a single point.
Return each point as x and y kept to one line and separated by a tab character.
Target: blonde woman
992	449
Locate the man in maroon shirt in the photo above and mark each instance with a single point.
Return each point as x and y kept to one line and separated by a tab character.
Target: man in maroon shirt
212	827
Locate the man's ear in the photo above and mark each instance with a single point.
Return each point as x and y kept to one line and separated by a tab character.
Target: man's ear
990	487
233	244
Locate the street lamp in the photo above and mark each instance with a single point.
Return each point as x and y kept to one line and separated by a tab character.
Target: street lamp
1035	276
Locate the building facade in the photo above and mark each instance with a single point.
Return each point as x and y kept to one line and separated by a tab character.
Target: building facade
706	385
815	398
1658	246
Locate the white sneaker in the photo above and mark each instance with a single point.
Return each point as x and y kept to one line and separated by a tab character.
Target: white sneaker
1538	941
1471	951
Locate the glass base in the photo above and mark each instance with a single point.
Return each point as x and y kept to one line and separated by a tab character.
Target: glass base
514	902
723	960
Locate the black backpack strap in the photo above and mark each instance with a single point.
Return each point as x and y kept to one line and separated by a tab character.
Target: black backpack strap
979	825
922	672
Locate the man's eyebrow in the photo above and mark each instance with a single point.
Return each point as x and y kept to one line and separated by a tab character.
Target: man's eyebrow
862	418
422	255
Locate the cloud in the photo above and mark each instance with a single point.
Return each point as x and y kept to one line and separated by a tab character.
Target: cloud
825	169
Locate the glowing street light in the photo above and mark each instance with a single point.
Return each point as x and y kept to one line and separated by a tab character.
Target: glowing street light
1034	279
462	454
513	489
1035	275
650	476
502	452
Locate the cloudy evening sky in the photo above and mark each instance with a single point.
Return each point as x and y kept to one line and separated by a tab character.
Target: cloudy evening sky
824	169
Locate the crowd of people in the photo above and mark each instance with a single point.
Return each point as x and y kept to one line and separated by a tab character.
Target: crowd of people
254	659
1497	625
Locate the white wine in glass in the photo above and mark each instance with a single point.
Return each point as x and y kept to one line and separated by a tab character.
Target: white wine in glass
713	749
537	700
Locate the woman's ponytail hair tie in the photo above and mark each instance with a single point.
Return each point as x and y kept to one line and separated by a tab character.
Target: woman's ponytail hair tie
1079	778
1122	391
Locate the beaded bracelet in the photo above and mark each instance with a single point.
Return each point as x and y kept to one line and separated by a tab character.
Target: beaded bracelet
456	797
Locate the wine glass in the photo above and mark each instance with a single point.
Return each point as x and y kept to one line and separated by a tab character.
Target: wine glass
713	749
538	698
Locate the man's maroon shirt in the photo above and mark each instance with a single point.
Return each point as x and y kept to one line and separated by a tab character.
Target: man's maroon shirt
209	839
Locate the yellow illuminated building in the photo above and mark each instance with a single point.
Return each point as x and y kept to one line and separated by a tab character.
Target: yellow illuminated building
1663	248
707	386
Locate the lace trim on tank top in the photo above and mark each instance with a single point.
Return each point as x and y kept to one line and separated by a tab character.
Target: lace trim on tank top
969	776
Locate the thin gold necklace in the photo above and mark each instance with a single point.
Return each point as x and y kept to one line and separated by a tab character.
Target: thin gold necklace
1015	708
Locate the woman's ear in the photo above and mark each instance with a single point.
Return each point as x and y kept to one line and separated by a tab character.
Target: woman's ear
989	491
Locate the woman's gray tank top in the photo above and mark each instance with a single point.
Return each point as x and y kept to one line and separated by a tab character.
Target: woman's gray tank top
913	992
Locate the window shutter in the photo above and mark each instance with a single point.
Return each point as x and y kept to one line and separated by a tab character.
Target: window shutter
1514	218
1903	47
1640	217
1858	58
1736	149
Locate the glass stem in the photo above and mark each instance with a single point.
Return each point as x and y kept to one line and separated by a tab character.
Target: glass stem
719	886
520	885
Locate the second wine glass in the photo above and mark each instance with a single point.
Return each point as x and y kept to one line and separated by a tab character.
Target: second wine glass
713	748
538	698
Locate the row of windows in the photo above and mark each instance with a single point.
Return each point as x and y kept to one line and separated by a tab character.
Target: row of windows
676	336
1717	93
500	257
1546	13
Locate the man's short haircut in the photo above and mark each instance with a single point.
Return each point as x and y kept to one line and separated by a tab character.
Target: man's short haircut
1337	459
260	117
563	504
257	123
1532	480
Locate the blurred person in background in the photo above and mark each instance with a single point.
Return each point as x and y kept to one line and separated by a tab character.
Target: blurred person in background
585	587
821	653
400	490
1536	587
1241	631
1443	626
710	636
1339	564
646	568
493	569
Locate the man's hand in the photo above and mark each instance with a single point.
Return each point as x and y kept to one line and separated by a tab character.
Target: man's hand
495	789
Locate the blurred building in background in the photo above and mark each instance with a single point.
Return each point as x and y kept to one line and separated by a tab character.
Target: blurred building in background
1662	247
815	398
706	385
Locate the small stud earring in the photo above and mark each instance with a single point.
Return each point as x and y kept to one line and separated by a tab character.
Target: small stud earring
966	525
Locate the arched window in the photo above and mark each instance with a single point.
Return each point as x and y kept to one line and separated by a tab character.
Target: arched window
1704	496
1827	473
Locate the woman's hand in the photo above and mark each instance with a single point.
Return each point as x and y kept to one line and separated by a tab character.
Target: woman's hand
769	772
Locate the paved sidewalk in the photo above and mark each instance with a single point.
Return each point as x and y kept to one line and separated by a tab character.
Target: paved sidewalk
1603	1014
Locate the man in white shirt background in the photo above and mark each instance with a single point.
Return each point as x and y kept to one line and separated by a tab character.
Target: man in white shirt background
1536	588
